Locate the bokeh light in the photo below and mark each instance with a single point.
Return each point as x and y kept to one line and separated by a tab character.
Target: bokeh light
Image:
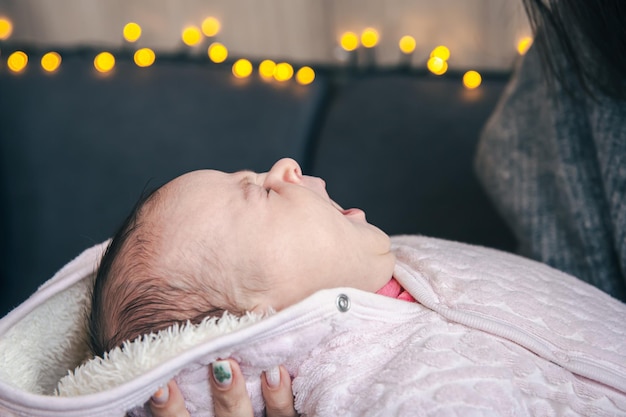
437	65
349	41
144	57
266	68
51	61
441	52
191	36
472	80
6	28
132	32
104	62
369	37
17	61
217	52
305	76
524	44
407	44
242	68
283	71
211	26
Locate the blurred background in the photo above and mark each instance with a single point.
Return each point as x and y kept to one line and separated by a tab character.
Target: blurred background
481	33
384	99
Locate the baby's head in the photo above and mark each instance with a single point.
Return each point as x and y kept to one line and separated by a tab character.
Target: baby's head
209	242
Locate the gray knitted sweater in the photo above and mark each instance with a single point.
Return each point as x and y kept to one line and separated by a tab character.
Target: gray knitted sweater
556	169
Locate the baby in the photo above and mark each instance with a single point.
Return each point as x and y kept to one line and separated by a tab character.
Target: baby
490	332
209	242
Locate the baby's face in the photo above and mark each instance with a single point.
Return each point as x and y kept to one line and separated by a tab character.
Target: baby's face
279	228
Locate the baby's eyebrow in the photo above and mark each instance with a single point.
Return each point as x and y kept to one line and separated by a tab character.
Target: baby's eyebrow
245	183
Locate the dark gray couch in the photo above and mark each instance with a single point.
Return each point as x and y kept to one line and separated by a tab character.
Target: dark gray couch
77	149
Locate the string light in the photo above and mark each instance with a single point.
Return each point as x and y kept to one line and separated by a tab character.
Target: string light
144	57
132	32
217	52
283	71
349	41
369	37
438	61
266	69
211	26
191	36
104	62
6	28
51	61
524	44
17	61
407	44
305	76
437	65
441	52
472	80
242	68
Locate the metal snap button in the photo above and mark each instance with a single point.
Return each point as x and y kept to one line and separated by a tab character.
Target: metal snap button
343	303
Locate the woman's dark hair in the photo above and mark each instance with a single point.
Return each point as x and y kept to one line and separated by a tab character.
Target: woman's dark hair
590	35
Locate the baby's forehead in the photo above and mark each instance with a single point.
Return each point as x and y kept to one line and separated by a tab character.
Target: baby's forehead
196	180
189	182
186	197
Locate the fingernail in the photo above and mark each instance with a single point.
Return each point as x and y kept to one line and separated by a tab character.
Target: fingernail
273	377
161	396
222	373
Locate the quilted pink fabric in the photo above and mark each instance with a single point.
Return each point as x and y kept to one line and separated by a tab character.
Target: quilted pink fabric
497	336
492	334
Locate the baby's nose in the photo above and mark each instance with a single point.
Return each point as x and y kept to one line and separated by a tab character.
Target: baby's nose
287	165
285	170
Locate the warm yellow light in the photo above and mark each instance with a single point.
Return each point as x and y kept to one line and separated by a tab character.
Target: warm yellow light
437	65
266	68
211	26
283	71
191	36
472	79
132	32
369	37
144	57
17	61
217	52
51	61
242	68
441	52
349	41
305	75
6	28
104	62
407	44
524	44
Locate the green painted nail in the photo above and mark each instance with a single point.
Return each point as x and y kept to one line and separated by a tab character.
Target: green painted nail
222	373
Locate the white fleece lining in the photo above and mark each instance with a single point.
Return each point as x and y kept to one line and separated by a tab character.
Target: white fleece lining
122	364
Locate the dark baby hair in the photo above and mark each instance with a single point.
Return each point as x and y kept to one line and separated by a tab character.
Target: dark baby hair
131	297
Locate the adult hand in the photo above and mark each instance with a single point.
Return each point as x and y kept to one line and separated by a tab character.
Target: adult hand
230	397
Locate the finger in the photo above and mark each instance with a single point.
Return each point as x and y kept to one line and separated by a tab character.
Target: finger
228	388
168	402
277	393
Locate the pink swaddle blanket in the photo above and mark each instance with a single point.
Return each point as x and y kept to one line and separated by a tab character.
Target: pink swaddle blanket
491	334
